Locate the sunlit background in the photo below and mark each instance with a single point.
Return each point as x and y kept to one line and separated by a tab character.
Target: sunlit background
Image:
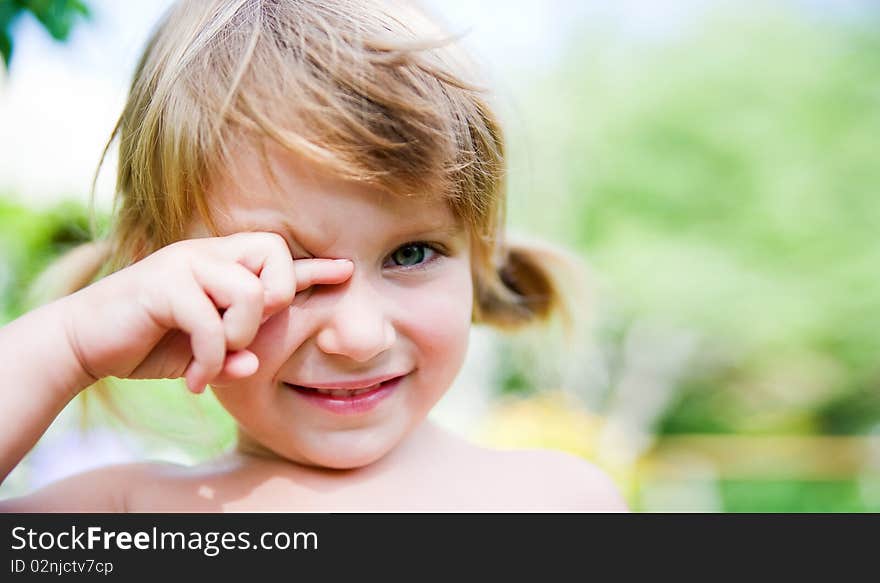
716	165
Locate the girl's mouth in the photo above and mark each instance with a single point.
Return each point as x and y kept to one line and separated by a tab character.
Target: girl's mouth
339	393
348	401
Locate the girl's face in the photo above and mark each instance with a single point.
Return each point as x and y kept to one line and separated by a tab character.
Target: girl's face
404	314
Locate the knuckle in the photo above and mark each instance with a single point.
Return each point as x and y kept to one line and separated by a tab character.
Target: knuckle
274	239
166	254
240	338
289	290
284	292
175	246
213	329
263	237
182	246
178	255
250	289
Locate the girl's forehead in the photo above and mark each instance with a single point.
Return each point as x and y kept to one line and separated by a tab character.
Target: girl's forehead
273	183
320	214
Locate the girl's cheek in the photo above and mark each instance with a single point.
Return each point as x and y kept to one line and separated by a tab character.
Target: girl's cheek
435	316
438	318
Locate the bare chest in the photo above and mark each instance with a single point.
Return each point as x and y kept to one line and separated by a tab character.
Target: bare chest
421	489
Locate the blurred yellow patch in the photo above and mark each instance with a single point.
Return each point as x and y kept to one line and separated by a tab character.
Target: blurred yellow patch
554	420
547	421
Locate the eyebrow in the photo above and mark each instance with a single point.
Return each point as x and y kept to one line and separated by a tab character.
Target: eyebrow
444	228
293	233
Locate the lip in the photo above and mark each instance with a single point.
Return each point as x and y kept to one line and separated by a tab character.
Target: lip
354	405
350	384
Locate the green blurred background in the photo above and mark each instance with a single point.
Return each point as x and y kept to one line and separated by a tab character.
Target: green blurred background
719	179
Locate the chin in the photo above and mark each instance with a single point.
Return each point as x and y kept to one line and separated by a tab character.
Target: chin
341	452
345	463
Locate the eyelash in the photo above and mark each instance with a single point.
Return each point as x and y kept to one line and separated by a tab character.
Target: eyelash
437	249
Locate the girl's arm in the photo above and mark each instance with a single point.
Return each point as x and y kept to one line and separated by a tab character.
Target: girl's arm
188	310
40	375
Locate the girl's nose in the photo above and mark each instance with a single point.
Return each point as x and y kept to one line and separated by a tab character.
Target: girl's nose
356	325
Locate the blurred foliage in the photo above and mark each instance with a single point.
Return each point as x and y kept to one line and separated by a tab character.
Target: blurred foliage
58	17
724	180
29	240
793	496
163	414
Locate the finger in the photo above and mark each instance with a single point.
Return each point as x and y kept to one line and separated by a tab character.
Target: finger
278	278
167	360
234	287
238	365
195	378
267	255
309	272
194	313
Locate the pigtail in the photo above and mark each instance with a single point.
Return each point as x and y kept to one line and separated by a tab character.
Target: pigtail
533	282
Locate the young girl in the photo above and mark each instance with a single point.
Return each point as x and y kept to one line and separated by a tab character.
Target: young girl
309	213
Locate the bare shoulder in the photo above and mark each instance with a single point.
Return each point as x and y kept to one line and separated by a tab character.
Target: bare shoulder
558	481
104	489
530	480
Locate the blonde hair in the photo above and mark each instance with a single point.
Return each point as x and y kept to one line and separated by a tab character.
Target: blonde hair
370	89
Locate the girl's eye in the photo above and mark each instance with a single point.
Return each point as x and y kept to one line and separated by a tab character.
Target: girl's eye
412	254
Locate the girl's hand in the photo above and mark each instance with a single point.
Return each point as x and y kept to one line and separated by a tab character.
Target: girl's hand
190	309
